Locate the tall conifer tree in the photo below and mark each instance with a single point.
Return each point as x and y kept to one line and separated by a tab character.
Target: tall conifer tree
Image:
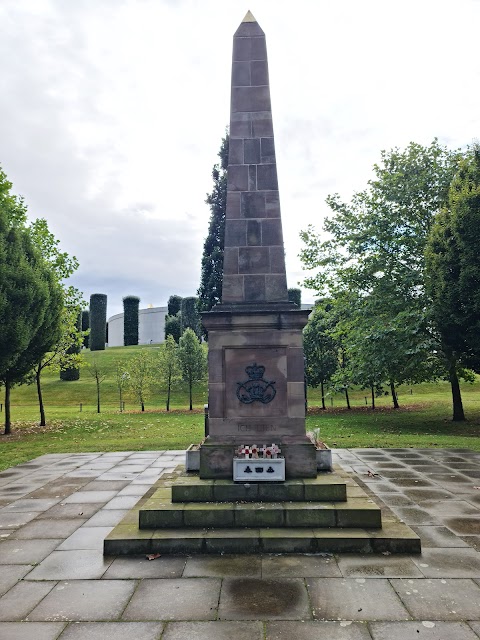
210	290
98	321
130	320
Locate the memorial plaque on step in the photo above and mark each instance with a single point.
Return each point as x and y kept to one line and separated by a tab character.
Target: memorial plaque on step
259	470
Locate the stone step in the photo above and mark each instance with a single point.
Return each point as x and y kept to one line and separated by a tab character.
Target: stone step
160	512
325	487
394	537
128	539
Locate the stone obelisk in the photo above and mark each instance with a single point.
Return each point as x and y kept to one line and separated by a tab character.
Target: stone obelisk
256	365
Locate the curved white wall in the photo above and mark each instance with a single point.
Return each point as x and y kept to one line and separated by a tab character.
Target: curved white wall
151	327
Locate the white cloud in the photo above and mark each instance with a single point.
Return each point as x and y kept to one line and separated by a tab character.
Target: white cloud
112	114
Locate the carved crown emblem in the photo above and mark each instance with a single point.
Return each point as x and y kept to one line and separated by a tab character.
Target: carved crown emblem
256	388
255	372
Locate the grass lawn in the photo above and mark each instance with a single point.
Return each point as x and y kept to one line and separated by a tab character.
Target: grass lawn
423	420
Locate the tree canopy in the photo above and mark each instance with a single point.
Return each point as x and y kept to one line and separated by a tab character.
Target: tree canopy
31	302
168	366
35	270
192	358
210	290
375	250
453	264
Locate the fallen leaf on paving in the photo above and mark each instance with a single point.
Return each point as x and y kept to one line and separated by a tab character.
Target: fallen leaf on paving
153	556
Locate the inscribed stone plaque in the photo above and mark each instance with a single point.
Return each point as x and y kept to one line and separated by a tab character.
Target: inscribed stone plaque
241	402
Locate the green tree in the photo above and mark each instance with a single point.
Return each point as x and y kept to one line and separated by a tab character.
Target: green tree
64	354
12	206
99	374
295	296
23	296
189	315
30	299
122	378
141	369
321	357
98	321
168	366
192	358
377	243
60	266
45	334
70	365
173	327
210	290
130	320
453	265
85	327
174	305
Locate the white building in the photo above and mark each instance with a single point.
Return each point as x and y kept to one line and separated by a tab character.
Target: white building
151	327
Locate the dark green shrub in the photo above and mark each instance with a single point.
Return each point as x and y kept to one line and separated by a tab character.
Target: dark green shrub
98	321
295	296
174	305
130	320
173	327
85	325
190	315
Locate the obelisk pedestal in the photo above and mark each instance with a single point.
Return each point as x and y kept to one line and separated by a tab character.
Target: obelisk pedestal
256	363
256	388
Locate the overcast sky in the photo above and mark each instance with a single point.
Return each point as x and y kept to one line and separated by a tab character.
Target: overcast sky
112	113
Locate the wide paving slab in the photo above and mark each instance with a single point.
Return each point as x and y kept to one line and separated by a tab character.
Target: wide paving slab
55	583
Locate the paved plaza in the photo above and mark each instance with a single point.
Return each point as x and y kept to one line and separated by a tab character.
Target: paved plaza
56	510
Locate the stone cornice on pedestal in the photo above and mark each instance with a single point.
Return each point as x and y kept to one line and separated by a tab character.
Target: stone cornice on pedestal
242	318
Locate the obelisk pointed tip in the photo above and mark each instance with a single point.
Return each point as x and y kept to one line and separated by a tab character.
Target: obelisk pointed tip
249	17
249	27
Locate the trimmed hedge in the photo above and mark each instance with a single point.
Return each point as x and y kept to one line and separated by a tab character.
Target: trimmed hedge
174	305
295	296
85	325
190	316
173	327
130	320
98	321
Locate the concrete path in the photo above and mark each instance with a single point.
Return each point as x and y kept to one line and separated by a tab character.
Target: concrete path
55	583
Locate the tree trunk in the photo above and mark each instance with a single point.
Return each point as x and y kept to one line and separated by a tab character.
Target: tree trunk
98	396
8	424
347	399
190	388
372	390
322	387
458	413
43	422
143	405
169	386
121	403
394	395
